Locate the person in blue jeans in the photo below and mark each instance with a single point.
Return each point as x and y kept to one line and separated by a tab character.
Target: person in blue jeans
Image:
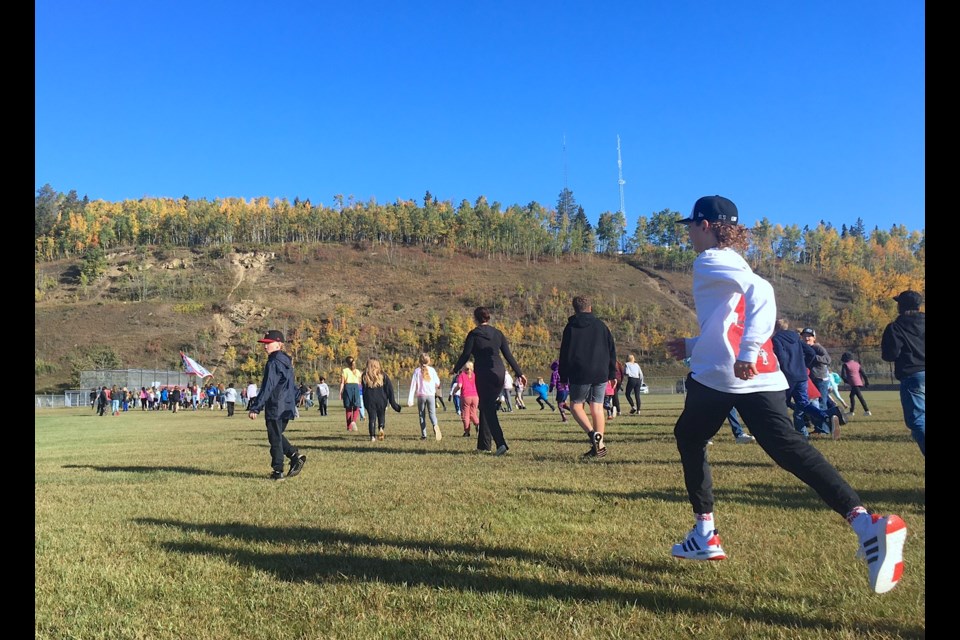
790	350
818	361
903	343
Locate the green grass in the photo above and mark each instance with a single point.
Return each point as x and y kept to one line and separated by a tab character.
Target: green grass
160	525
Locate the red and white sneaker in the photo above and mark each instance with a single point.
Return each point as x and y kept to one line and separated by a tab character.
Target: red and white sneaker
697	547
882	549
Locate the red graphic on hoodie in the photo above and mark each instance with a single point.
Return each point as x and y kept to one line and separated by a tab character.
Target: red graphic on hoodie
766	360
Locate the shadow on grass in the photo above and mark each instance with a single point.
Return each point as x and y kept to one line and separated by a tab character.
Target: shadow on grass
194	471
765	495
477	569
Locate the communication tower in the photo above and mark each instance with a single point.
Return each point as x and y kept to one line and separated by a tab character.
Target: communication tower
620	180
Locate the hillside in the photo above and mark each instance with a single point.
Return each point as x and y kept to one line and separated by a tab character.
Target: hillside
213	300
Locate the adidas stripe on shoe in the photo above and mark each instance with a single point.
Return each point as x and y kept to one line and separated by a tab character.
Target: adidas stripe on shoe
882	549
697	547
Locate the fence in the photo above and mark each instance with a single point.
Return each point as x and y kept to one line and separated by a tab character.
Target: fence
132	378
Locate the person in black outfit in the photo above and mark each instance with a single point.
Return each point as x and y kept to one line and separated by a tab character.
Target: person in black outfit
102	401
588	360
277	398
377	394
485	343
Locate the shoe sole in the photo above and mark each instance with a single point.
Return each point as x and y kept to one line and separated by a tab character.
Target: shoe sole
689	550
701	555
297	469
888	550
436	432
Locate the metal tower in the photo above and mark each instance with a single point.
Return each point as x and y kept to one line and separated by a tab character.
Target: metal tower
620	181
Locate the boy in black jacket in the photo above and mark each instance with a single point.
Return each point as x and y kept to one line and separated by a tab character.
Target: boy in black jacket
588	360
277	398
904	344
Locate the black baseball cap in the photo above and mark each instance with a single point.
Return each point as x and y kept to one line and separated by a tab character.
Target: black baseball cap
908	300
807	331
713	209
271	336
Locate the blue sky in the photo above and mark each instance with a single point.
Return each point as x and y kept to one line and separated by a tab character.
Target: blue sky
797	111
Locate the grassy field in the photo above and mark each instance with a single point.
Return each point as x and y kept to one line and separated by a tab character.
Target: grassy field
160	525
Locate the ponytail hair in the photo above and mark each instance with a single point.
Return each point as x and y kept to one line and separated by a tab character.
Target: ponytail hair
425	366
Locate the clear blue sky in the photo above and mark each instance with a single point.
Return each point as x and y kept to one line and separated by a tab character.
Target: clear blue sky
797	111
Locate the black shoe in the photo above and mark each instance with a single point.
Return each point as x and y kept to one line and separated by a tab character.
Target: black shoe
466	434
296	464
837	411
276	475
592	453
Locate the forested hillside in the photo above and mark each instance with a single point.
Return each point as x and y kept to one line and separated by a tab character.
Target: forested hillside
129	284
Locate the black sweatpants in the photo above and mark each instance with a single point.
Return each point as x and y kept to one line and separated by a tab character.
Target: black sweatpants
765	413
489	387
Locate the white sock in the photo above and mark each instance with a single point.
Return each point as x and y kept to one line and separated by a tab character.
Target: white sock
860	520
704	524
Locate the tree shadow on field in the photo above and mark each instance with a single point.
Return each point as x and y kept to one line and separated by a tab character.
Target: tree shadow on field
473	568
194	471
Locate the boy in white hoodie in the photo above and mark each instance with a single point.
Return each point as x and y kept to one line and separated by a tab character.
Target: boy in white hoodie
732	364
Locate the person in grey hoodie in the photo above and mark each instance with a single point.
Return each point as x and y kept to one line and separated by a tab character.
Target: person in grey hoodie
588	360
277	398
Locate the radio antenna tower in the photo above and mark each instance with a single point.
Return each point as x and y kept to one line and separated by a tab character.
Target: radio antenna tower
620	180
564	160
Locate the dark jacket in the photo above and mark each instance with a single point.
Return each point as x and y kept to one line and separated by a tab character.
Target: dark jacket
277	396
587	352
376	397
788	347
903	343
485	343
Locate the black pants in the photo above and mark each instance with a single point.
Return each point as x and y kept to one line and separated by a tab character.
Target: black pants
489	387
376	415
230	407
439	400
765	413
633	386
279	445
323	405
855	393
542	401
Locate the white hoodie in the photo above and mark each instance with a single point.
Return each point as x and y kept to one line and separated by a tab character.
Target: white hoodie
732	300
423	388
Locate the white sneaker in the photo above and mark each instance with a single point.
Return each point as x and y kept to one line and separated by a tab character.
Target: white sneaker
436	432
697	547
882	549
745	439
866	413
373	438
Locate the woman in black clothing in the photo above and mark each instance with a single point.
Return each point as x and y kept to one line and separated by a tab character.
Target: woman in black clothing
377	394
485	344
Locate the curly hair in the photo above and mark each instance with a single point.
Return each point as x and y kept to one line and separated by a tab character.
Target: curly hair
735	236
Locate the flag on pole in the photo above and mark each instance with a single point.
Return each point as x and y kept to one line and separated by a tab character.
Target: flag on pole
193	367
